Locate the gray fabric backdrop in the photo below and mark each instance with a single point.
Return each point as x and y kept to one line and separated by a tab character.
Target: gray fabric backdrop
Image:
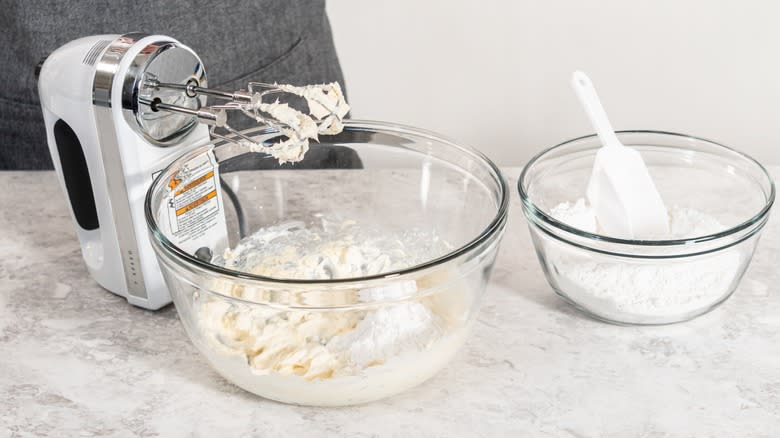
239	40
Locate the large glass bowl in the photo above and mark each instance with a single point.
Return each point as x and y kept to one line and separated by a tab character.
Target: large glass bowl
649	281
345	340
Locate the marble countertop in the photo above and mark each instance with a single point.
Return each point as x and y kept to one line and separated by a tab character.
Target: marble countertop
76	360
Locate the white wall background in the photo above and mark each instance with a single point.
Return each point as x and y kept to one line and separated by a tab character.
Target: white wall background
495	74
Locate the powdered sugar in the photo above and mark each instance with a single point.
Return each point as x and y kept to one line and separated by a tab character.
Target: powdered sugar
684	223
387	332
578	215
644	290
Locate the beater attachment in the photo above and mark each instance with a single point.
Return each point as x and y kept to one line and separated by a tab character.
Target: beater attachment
260	102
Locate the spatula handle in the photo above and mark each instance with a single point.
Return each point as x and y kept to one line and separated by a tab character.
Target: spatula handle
590	101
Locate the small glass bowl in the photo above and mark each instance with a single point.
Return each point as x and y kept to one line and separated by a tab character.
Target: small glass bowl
303	341
649	281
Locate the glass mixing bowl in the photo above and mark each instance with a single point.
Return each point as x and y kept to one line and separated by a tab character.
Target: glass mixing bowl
649	281
329	341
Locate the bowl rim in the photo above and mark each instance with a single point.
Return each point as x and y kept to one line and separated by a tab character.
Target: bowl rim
492	228
537	212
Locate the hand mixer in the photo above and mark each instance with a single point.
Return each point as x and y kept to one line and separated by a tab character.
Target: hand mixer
118	109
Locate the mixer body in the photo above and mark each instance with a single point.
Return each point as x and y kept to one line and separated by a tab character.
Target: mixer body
106	148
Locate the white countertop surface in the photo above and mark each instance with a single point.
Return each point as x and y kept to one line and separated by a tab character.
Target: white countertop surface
76	360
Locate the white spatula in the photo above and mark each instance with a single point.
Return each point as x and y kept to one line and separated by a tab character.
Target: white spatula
624	197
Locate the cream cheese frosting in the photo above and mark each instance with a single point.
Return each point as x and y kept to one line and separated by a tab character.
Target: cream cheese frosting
323	344
326	109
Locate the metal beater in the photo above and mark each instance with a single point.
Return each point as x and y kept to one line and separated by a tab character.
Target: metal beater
326	110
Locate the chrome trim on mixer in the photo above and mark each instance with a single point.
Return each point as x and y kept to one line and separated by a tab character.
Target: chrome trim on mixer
143	70
107	67
91	57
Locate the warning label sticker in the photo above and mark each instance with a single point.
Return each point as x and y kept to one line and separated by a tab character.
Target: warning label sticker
195	208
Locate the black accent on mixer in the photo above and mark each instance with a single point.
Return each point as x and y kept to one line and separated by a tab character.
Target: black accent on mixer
76	175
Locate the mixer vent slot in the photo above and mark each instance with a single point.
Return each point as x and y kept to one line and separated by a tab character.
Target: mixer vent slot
93	53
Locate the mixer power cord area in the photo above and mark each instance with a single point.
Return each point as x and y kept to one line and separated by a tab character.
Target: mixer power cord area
243	229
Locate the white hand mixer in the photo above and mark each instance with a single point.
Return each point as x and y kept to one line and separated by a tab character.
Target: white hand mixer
118	109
